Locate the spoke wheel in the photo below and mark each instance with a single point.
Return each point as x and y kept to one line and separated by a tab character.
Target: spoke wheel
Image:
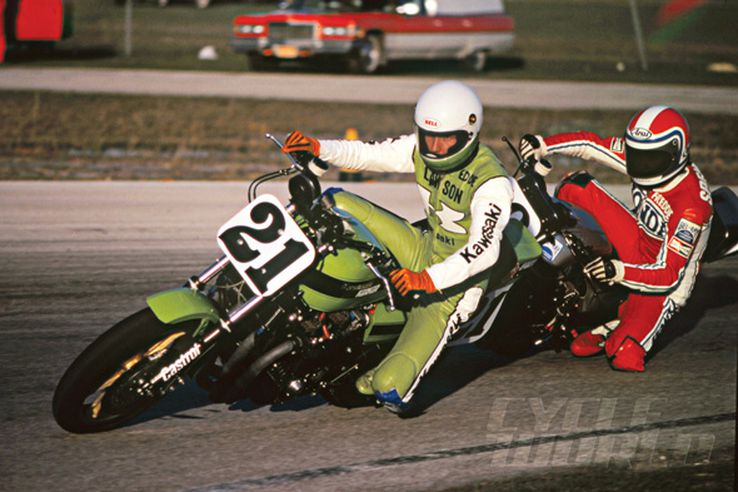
368	57
477	61
105	386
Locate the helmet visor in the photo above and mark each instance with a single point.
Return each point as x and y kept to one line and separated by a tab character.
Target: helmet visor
438	145
648	163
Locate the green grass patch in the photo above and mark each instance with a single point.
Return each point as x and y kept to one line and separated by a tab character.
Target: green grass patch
45	135
556	39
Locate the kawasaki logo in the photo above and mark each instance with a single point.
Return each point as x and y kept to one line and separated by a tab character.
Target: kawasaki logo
488	235
183	361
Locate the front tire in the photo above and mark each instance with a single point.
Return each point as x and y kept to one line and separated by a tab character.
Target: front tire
98	392
260	63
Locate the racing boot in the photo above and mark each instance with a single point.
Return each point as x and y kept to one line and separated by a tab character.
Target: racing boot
392	380
364	383
630	357
587	344
592	342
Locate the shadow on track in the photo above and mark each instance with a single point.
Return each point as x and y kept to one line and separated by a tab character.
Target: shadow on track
48	52
403	67
709	293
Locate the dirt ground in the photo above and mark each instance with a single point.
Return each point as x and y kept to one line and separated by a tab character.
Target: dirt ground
73	136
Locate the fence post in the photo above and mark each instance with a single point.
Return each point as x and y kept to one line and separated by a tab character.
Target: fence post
638	34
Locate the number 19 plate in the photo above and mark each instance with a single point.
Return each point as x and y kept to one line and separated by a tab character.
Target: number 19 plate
265	245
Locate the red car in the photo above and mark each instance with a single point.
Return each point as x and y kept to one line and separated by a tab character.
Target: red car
366	34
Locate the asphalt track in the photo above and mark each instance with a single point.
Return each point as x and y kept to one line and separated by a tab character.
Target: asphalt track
78	256
551	95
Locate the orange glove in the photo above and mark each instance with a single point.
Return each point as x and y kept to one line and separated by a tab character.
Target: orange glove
407	280
297	142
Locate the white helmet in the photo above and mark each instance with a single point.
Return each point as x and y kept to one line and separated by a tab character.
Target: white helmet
448	108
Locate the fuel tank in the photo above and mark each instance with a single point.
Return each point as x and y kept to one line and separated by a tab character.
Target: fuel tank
343	280
588	233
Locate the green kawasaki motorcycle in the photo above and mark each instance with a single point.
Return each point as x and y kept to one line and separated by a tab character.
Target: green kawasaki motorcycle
300	303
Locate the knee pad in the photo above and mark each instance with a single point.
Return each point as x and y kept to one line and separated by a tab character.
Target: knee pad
394	376
579	178
346	201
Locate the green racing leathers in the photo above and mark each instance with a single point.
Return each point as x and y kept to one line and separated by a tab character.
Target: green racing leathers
467	211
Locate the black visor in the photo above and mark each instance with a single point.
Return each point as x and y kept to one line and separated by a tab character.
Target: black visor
646	164
462	137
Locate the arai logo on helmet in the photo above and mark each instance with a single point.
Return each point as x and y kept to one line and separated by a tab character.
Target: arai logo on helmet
432	122
641	133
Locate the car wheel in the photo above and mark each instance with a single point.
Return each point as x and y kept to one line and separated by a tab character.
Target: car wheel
476	61
367	58
259	63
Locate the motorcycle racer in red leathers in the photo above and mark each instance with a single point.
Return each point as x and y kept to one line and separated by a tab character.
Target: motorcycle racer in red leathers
659	242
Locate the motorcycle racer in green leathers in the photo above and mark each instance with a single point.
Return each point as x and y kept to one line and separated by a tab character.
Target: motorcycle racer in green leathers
467	197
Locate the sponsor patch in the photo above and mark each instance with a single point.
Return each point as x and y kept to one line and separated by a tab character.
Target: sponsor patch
617	145
685	238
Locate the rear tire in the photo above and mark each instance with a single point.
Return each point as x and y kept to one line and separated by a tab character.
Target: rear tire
476	62
93	395
527	308
368	57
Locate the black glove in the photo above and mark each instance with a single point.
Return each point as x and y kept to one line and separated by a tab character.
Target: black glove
532	146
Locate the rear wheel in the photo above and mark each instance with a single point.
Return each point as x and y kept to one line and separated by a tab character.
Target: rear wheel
526	310
101	390
477	61
367	58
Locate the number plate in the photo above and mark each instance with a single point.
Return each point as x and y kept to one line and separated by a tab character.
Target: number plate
265	245
286	51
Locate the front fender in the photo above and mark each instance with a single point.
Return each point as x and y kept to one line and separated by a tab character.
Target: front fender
183	304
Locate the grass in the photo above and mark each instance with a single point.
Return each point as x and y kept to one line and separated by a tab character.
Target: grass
556	39
75	136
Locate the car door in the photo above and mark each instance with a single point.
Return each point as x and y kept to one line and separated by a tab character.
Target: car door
413	33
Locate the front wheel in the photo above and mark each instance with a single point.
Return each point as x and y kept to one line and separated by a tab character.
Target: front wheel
102	388
260	63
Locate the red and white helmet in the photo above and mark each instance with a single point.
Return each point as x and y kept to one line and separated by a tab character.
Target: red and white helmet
656	145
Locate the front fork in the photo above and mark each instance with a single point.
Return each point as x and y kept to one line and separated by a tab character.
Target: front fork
223	322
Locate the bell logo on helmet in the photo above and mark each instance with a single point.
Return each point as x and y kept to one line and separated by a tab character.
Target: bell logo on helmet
432	122
641	133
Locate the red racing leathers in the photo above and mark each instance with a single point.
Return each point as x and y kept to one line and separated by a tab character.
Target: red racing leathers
660	241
